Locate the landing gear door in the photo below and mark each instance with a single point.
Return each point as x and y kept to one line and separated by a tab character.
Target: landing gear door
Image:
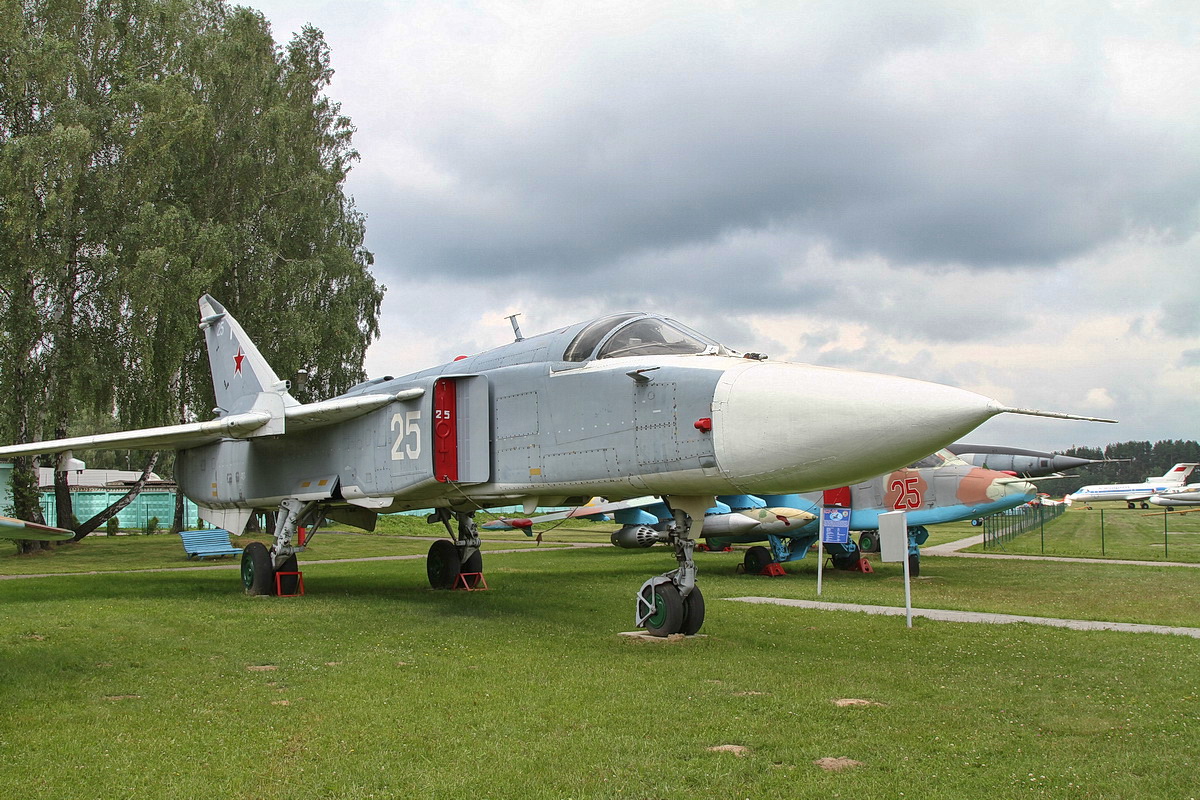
462	429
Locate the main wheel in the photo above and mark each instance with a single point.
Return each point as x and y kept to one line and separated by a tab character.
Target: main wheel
756	559
693	612
443	564
667	616
473	567
258	576
846	561
914	564
868	541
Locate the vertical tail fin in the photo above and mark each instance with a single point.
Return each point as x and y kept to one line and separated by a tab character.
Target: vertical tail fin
1178	474
242	378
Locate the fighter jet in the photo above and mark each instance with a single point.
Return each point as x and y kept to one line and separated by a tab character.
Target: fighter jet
1019	461
938	488
1134	493
624	405
1183	496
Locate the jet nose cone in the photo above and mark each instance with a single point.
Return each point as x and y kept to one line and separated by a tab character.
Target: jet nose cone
782	427
1018	489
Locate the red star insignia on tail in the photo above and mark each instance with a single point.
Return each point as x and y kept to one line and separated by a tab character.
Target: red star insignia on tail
237	361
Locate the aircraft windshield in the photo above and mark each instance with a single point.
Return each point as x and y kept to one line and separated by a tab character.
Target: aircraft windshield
586	340
653	337
941	458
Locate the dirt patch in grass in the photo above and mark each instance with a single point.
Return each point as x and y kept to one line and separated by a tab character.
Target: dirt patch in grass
261	668
839	764
736	749
855	702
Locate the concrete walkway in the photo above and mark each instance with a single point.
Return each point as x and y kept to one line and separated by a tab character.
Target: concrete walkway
975	616
953	548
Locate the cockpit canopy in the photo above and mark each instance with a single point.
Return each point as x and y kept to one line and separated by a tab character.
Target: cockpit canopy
636	335
942	458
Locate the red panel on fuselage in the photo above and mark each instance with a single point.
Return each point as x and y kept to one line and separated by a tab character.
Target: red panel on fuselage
838	497
445	430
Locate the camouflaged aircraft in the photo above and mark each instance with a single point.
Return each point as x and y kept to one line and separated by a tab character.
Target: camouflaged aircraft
626	405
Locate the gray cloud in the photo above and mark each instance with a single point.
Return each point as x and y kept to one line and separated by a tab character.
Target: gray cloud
894	134
997	197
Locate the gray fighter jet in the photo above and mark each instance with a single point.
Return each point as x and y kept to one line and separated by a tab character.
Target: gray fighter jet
622	406
1019	461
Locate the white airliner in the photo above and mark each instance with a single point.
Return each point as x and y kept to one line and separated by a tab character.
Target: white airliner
1134	493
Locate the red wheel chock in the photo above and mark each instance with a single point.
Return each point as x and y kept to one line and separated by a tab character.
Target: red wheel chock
864	566
470	582
299	585
773	569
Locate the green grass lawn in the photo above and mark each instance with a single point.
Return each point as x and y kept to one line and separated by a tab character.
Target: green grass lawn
1127	533
172	685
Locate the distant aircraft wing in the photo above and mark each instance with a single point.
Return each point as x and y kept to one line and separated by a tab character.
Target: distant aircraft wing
504	523
169	436
20	529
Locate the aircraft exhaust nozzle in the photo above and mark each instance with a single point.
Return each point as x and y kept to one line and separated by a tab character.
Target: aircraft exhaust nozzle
632	537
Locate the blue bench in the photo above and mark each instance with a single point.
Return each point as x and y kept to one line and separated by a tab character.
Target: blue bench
201	544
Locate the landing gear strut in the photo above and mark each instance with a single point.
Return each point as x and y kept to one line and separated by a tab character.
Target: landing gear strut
259	564
672	603
458	555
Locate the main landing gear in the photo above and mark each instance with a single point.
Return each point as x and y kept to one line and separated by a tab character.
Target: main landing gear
672	603
261	564
457	560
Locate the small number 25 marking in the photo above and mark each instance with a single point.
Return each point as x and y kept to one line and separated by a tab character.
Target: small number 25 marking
408	441
908	494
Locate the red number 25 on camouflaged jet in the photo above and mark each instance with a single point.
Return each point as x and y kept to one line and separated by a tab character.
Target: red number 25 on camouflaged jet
621	406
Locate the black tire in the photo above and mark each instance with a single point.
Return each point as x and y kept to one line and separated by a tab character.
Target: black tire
846	561
258	575
868	542
443	564
473	565
693	612
756	559
667	614
286	583
1145	505
914	564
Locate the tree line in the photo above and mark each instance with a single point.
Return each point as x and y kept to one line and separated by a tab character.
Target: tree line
152	151
1132	462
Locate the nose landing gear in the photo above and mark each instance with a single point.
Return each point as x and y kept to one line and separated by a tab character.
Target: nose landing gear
672	603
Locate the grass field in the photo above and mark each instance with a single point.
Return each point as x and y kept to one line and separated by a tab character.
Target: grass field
176	685
1127	533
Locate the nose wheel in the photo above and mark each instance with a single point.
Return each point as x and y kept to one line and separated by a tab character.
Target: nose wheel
663	610
673	603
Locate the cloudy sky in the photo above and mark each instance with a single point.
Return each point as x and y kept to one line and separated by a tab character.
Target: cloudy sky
1003	197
